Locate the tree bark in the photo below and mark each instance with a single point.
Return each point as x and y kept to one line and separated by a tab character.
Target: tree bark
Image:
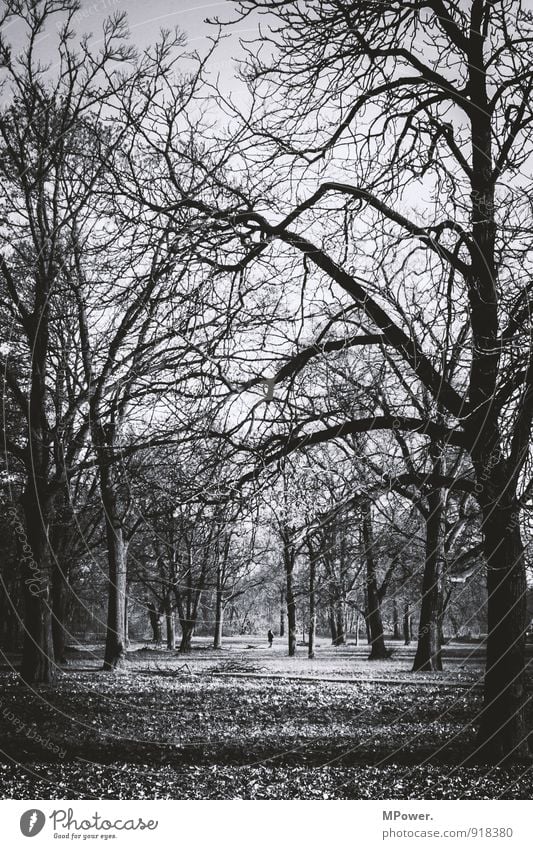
288	558
11	602
61	545
171	625
219	610
407	625
395	620
126	618
340	618
155	623
428	656
375	623
187	628
503	732
115	647
367	624
38	661
332	623
312	606
282	612
59	586
219	619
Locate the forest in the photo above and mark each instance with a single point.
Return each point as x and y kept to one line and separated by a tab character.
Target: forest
266	501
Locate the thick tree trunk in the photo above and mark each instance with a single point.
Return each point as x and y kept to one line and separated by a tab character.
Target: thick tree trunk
455	626
11	603
155	623
38	662
503	733
378	649
61	541
428	656
188	602
340	618
115	647
291	616
187	628
59	587
288	561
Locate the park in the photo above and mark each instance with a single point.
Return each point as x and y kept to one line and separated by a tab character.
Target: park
248	722
266	468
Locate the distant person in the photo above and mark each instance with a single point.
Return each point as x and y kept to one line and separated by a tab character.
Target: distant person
270	637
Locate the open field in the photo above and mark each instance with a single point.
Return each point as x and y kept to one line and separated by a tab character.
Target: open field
249	722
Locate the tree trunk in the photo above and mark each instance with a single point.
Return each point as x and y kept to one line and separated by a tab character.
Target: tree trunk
375	623
187	628
282	612
291	616
188	602
61	543
171	630
288	558
332	623
340	618
11	603
455	626
59	604
38	665
395	620
312	607
443	604
115	647
367	628
407	625
127	618
219	611
171	625
38	662
155	623
219	618
503	731
428	657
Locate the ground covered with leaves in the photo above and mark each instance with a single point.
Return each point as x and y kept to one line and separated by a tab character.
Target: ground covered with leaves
250	724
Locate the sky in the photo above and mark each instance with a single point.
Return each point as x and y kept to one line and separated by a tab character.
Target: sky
146	18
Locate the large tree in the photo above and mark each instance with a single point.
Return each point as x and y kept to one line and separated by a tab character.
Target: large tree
387	156
47	174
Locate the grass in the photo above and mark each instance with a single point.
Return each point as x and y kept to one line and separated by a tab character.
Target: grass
249	722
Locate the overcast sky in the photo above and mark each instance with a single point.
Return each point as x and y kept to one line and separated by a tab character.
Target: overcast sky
146	18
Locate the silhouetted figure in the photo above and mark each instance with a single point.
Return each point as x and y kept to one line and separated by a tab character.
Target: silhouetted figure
270	637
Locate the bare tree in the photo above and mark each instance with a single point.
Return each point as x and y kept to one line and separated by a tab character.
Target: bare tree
356	106
44	130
